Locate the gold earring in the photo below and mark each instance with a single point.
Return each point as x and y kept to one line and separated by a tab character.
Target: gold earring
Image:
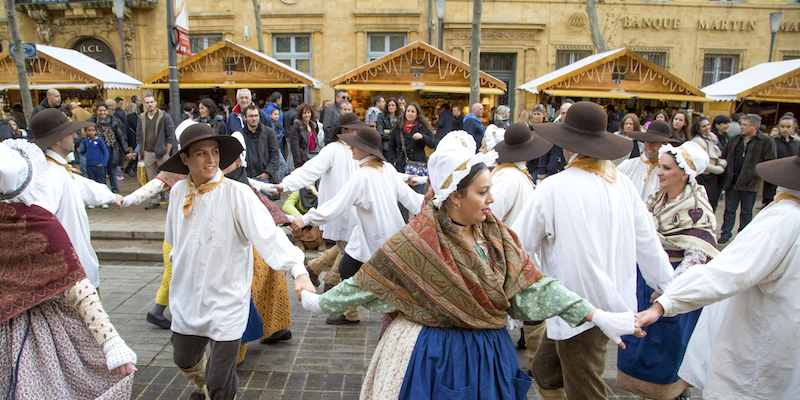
458	206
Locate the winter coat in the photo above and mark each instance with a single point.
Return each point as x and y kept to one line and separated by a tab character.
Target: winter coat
415	149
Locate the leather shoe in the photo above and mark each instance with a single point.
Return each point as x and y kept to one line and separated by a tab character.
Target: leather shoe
197	396
130	173
152	206
723	239
340	320
160	322
314	277
281	335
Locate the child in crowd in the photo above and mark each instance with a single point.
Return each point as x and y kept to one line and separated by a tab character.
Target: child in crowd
96	152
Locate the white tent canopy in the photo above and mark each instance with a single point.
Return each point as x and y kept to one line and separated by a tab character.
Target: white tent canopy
534	85
740	85
104	75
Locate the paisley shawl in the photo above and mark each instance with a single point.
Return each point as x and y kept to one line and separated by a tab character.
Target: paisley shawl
432	276
686	223
37	260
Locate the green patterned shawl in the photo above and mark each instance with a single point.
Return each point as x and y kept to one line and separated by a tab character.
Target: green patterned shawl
432	276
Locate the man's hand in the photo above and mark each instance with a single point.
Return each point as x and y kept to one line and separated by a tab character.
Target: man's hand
297	223
301	283
130	156
278	187
126	369
118	201
263	176
140	157
650	316
417	136
654	296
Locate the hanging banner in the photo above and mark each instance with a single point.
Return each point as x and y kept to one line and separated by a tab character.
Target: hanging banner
181	23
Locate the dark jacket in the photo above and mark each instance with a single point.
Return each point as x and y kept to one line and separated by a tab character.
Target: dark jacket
131	122
415	149
7	132
458	123
263	153
444	124
552	162
760	148
165	133
236	120
474	127
217	123
117	152
297	137
288	118
784	148
384	122
43	105
120	114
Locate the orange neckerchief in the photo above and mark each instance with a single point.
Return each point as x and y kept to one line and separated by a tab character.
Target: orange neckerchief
651	164
604	168
374	163
66	166
783	196
509	165
204	188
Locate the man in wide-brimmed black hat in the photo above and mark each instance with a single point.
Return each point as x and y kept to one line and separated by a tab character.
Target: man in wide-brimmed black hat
642	170
70	193
213	224
758	273
374	191
590	229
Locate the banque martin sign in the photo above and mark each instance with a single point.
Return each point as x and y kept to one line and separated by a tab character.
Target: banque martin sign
703	24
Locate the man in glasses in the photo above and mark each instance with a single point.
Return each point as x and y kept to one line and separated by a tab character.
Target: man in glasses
334	112
743	152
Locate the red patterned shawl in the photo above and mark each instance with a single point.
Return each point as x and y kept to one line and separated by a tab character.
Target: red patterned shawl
37	260
430	274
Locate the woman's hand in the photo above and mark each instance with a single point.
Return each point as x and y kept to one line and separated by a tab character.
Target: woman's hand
417	136
126	369
297	223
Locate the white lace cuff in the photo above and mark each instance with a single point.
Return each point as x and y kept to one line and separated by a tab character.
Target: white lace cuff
614	325
118	353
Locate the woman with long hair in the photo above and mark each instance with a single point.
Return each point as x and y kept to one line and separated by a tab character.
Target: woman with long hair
629	123
720	128
661	115
303	135
409	137
208	115
686	225
680	126
712	178
386	120
501	116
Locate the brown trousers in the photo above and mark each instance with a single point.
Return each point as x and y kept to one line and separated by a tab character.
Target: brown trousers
575	364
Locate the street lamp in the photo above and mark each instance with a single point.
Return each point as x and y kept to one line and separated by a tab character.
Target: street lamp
439	4
774	25
119	9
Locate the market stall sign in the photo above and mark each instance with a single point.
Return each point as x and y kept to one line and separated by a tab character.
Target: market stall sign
703	24
96	49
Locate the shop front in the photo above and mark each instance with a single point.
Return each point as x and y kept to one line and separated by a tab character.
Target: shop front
77	77
768	89
219	70
419	73
621	78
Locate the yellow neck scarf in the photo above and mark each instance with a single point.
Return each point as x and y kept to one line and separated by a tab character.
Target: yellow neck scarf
604	168
374	163
66	166
513	165
204	188
783	196
651	164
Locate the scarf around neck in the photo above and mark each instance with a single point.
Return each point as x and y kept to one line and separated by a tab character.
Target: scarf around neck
432	276
197	191
603	168
37	260
686	223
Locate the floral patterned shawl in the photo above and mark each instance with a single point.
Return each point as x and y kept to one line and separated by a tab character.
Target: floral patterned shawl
686	223
432	276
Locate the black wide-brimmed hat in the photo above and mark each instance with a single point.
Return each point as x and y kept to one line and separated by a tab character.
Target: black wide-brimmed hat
50	125
657	132
521	144
229	148
366	139
349	121
783	172
584	131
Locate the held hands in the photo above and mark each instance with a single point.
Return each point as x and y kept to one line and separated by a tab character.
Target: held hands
297	223
615	325
303	283
126	369
278	188
118	201
651	315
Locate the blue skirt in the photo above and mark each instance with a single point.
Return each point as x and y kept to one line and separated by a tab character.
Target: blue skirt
461	364
255	327
657	357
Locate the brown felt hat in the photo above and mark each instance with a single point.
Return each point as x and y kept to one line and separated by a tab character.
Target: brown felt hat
584	132
520	144
366	139
349	121
229	148
657	132
782	172
50	125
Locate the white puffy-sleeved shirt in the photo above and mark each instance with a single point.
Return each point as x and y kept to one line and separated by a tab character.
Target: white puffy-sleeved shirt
755	352
512	190
373	193
67	198
590	234
212	257
333	166
636	170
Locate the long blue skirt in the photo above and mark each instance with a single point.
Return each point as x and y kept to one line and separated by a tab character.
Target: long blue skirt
657	357
461	364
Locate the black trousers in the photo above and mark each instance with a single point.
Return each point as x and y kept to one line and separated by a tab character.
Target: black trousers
348	266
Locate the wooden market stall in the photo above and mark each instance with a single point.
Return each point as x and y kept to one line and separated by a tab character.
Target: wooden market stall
419	72
620	77
220	69
768	89
78	77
